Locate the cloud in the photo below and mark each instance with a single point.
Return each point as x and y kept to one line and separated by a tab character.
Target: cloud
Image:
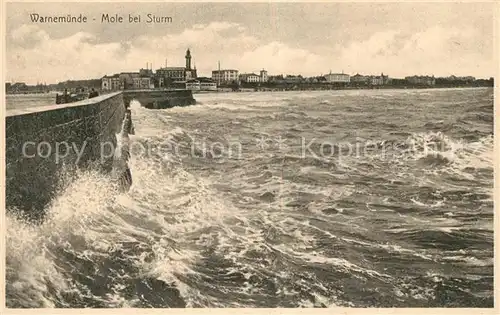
436	50
33	55
280	58
52	60
78	56
28	36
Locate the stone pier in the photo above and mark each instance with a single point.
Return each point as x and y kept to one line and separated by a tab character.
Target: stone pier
44	142
160	99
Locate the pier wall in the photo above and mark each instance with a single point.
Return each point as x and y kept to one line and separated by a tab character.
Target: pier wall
159	99
43	143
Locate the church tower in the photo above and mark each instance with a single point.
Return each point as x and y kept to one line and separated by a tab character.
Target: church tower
188	60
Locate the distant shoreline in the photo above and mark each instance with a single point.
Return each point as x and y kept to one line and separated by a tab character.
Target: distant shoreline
229	90
261	89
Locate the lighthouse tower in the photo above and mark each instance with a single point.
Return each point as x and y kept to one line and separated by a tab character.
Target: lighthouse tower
188	59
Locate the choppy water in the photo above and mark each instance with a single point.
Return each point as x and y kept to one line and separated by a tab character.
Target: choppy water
345	198
29	100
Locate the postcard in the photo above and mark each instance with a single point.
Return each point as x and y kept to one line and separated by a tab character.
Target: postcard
249	155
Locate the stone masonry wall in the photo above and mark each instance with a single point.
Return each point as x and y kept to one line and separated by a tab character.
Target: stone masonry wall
159	99
35	141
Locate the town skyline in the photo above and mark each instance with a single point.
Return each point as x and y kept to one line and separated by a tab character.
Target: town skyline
398	39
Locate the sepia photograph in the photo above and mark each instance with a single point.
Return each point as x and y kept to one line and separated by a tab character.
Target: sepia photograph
249	155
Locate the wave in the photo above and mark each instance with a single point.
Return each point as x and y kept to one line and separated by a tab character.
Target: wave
449	238
97	245
32	251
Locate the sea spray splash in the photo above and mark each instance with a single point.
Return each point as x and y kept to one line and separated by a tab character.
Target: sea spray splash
135	105
36	269
104	249
121	170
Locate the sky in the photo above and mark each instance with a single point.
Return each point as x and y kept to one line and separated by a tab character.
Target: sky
311	39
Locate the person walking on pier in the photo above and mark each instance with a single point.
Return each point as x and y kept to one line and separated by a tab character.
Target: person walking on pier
93	93
65	96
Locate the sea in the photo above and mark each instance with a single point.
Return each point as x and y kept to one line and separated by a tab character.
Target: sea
346	198
18	101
